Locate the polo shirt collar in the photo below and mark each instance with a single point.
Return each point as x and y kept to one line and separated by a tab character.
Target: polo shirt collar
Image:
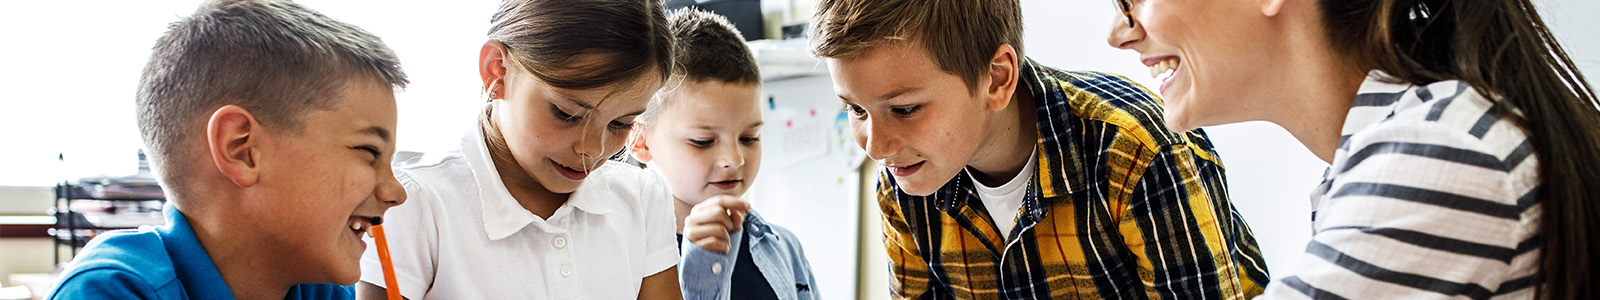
502	215
190	262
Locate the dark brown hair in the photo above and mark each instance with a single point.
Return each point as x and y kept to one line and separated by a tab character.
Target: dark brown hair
960	35
1503	49
705	47
545	36
276	59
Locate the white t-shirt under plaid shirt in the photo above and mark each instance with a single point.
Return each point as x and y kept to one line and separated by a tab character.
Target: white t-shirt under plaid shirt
1430	195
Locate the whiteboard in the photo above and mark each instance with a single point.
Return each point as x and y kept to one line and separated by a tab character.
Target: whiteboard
808	181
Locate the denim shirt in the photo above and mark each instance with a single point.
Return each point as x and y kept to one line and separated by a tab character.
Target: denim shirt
706	274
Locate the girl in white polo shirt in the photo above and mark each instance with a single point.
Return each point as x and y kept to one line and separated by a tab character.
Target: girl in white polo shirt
528	206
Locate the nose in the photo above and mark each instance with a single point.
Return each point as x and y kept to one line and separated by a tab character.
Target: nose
1122	35
389	191
731	156
875	139
591	146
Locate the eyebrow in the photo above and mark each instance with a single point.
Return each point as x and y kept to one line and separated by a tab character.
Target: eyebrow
709	127
889	95
573	101
381	132
900	92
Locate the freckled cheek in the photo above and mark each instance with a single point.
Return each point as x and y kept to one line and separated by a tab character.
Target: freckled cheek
357	187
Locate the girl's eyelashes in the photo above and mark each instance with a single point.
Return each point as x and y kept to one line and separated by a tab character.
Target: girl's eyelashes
749	139
702	143
619	125
563	115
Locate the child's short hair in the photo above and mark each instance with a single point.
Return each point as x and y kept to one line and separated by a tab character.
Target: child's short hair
545	36
705	46
276	59
960	35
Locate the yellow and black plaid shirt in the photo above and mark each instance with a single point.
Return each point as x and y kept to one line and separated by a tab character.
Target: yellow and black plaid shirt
1120	208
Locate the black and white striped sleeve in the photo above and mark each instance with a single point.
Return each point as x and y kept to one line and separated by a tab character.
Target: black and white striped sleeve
1433	202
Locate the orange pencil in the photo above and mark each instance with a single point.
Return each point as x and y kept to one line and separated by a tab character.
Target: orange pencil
388	266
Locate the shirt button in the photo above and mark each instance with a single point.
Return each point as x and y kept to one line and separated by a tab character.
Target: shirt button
559	242
566	270
716	268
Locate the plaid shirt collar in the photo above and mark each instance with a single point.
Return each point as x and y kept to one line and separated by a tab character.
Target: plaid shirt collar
1054	177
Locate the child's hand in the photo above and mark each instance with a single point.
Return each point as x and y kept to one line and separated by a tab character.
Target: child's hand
710	222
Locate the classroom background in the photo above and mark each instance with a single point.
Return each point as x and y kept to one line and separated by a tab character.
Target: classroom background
69	69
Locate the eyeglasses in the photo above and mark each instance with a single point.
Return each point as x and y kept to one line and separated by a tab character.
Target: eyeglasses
1126	11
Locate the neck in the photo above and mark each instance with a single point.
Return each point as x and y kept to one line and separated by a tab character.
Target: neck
528	192
1321	94
681	209
1014	135
248	272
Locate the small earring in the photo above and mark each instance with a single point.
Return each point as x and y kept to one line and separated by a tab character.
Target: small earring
493	95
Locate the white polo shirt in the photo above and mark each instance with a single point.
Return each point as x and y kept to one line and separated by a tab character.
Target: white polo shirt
460	235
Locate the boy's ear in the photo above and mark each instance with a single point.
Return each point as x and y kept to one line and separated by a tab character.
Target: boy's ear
233	139
1003	69
492	64
637	145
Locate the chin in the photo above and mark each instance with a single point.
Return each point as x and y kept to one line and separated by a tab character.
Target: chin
911	186
555	183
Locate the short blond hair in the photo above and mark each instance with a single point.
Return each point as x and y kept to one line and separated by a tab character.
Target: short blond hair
960	35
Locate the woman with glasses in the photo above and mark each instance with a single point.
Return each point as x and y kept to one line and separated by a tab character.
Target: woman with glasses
1462	141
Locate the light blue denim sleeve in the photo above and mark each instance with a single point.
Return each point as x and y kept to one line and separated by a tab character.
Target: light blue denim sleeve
787	259
705	274
805	268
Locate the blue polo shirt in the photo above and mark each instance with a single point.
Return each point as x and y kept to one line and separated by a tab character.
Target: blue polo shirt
163	262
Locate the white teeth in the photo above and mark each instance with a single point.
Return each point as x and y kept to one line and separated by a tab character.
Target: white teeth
355	226
1163	67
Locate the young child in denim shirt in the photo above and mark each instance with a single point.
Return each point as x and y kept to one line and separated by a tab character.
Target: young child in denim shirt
702	133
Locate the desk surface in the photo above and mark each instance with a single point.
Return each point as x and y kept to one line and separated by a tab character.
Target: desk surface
37	283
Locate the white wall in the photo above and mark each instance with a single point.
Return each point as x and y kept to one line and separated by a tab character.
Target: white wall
70	70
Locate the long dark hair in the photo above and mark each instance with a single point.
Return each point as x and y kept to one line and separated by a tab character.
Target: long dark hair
1503	49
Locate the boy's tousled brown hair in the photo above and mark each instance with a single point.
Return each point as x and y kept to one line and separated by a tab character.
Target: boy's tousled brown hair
705	47
276	59
960	35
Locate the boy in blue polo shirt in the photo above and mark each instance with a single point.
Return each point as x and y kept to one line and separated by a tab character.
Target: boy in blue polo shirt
271	127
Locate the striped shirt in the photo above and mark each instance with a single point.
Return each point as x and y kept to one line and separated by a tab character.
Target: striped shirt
1119	207
1430	195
